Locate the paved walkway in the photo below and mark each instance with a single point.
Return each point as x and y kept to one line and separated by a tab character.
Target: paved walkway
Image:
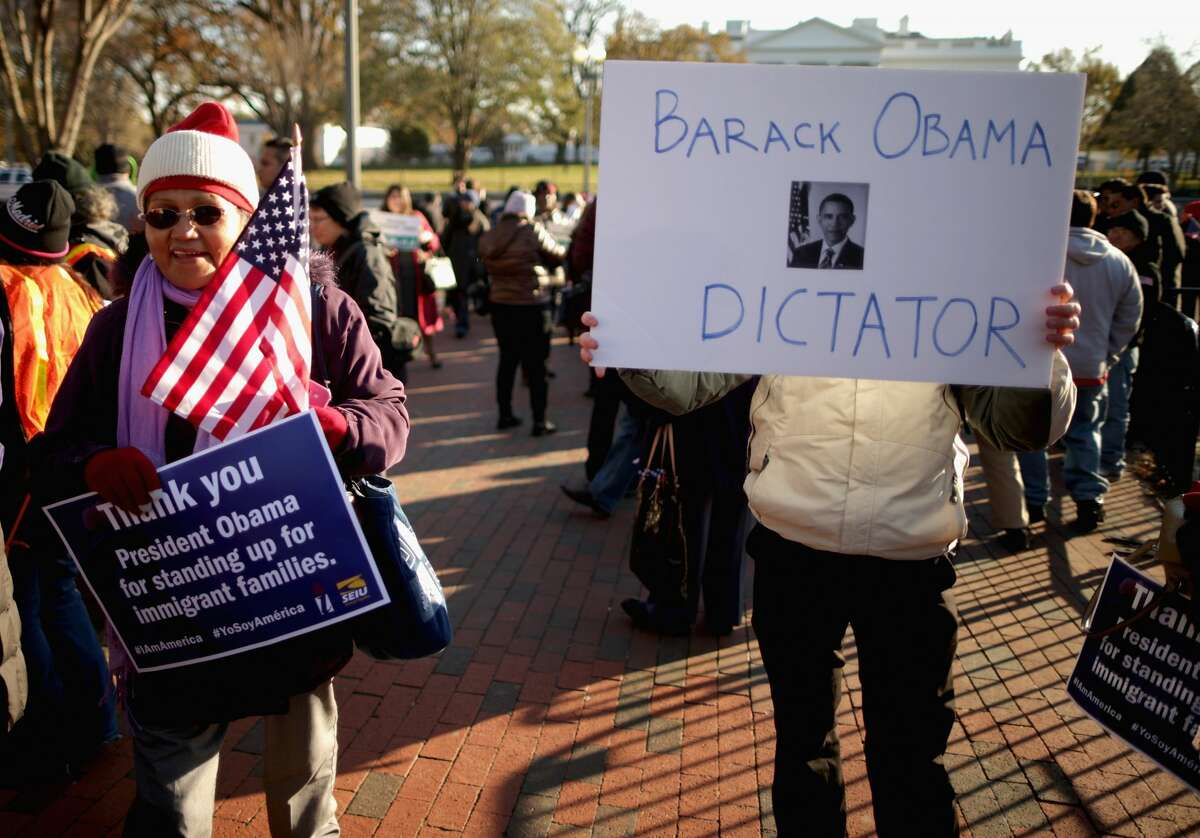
550	715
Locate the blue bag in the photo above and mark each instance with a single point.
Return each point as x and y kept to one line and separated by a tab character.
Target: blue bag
415	623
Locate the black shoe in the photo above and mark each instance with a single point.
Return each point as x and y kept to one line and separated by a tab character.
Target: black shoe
1090	515
583	496
437	365
1037	513
645	618
1014	540
506	422
550	373
544	428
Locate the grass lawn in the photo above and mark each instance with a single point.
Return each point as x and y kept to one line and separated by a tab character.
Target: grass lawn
495	179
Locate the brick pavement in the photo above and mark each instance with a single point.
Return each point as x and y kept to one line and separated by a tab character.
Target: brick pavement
550	715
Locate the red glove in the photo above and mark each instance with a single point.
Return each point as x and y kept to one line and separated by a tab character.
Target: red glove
1191	500
122	476
333	425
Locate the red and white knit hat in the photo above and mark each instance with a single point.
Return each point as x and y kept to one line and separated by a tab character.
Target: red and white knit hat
201	152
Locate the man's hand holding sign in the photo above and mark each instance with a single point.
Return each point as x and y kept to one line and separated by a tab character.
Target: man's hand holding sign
915	222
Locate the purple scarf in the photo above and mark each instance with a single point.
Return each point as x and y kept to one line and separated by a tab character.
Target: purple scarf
140	422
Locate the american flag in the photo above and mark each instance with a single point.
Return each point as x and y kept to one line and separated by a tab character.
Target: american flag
241	358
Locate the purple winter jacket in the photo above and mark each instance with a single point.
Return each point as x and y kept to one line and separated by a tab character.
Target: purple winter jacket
83	420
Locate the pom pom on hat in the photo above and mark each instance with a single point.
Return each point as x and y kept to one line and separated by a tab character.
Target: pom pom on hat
201	152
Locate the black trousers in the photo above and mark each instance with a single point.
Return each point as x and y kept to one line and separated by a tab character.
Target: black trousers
607	395
523	334
714	520
905	628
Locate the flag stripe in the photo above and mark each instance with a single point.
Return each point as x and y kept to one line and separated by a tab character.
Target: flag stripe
241	358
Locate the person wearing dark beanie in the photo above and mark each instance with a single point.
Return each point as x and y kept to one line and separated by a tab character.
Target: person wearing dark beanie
340	225
45	309
341	202
64	169
111	160
114	168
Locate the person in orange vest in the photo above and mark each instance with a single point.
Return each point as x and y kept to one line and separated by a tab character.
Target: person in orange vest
96	241
45	309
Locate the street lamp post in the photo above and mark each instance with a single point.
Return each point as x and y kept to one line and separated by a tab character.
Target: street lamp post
588	60
353	166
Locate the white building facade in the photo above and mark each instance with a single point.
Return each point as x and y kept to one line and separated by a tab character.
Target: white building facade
864	44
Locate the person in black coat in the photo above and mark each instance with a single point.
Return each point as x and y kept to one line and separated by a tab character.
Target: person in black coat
834	250
339	224
710	457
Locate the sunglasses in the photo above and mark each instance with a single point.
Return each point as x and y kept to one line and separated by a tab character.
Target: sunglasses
164	218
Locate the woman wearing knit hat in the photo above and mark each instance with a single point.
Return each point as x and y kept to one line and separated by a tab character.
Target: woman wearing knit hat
44	311
197	189
513	252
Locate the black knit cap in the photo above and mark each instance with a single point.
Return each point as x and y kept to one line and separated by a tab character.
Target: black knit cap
1132	221
1152	176
111	160
36	220
66	170
341	201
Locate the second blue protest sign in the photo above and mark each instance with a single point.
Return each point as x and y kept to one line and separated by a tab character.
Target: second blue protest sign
246	544
1142	681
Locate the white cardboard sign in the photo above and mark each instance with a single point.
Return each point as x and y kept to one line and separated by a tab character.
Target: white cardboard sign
845	222
402	232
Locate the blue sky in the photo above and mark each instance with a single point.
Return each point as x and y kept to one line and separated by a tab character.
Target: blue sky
1124	31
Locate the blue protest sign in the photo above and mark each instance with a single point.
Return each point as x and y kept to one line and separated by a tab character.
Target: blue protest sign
246	544
1142	682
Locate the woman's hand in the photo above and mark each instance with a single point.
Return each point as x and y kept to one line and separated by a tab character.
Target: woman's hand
1062	320
124	477
587	343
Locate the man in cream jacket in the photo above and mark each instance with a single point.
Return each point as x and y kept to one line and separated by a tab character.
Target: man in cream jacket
857	490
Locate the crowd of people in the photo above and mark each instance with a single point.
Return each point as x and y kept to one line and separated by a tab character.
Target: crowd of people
100	272
1136	275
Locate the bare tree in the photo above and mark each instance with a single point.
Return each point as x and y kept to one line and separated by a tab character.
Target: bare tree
1103	85
1157	109
469	61
48	54
639	38
164	53
282	58
581	20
